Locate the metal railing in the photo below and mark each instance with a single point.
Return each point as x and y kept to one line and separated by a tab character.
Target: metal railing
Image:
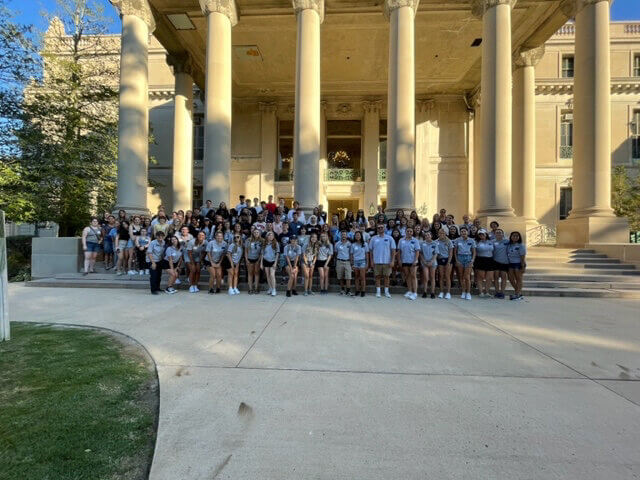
283	175
566	151
634	237
382	174
344	175
541	235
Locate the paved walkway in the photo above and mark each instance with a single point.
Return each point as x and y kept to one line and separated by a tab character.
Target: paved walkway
256	388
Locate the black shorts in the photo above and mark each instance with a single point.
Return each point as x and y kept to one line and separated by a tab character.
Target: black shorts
267	264
484	264
407	264
255	260
501	267
206	263
442	262
321	263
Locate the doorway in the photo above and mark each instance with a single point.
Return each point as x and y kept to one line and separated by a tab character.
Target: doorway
341	206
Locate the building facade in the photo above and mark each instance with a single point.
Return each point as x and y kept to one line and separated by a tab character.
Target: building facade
464	105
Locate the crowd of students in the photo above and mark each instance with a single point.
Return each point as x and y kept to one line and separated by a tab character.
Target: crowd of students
267	237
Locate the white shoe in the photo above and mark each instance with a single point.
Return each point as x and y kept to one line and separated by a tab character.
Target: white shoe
195	289
146	272
191	290
468	296
378	295
177	282
413	296
441	295
131	272
237	292
387	294
447	296
407	295
273	292
463	295
231	292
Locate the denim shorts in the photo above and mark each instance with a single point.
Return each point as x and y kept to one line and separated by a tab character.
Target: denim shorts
464	260
512	266
359	264
93	247
130	243
108	245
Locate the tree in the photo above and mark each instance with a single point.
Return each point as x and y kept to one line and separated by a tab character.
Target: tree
66	133
625	196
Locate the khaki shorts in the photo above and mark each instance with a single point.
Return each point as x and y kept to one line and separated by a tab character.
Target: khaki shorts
343	269
382	269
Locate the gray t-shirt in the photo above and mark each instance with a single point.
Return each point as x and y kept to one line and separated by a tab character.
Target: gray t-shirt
359	251
269	252
515	251
236	252
343	250
216	251
429	250
196	251
464	247
408	249
443	248
484	249
500	251
324	251
253	248
156	250
173	254
292	251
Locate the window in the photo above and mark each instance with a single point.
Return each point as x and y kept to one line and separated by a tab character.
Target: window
635	135
567	66
198	139
636	65
344	139
565	201
285	151
566	135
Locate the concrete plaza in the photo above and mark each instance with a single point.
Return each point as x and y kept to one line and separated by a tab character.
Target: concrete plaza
254	387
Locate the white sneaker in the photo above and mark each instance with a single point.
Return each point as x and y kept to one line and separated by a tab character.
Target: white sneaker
447	296
463	295
177	282
195	289
131	272
468	296
236	291
407	295
140	272
441	295
413	296
273	292
231	291
191	290
387	294
378	295
146	272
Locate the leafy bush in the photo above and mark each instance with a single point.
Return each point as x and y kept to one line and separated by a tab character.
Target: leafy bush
19	258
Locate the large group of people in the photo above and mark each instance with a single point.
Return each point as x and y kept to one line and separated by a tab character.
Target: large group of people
266	237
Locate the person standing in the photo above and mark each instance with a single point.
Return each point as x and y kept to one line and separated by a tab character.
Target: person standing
309	263
122	240
428	255
360	257
409	252
344	256
91	240
216	250
517	255
155	256
107	242
292	254
444	259
193	257
141	244
252	252
325	252
269	261
173	257
234	253
484	264
382	248
465	251
501	262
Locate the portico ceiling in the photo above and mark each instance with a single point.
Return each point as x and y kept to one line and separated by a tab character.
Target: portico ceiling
354	44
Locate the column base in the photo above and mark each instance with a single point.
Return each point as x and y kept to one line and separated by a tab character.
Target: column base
390	212
142	211
582	231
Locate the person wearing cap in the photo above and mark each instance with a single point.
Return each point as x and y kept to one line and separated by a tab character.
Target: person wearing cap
155	255
484	264
344	256
292	252
382	248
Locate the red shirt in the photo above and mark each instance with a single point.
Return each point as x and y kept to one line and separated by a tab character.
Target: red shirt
271	207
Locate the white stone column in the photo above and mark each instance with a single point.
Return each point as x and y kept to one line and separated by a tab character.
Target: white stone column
133	127
182	133
324	161
5	333
591	219
221	17
423	167
495	193
370	154
401	124
524	133
269	148
306	133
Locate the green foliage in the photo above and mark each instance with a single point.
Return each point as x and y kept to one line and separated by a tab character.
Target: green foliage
75	405
19	258
625	196
63	165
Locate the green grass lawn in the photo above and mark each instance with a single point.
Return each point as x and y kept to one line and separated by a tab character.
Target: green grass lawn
74	404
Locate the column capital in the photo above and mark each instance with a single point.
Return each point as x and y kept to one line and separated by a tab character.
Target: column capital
528	57
372	106
391	5
424	105
226	7
181	63
571	7
317	5
138	8
479	7
268	107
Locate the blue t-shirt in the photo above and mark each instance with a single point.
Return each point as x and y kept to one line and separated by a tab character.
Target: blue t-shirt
429	250
443	248
216	251
269	252
382	248
500	251
408	249
515	251
343	250
464	247
359	251
484	249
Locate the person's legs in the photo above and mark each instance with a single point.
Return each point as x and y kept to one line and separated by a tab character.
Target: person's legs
460	272
87	261
212	276
413	271
519	276
480	278
432	278
290	283
467	278
512	279
406	274
130	254
294	274
250	275
488	281
197	268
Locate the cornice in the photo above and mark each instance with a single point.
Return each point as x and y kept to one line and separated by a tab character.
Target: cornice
138	8
563	87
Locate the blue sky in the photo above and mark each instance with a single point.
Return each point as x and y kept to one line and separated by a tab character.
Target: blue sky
30	11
